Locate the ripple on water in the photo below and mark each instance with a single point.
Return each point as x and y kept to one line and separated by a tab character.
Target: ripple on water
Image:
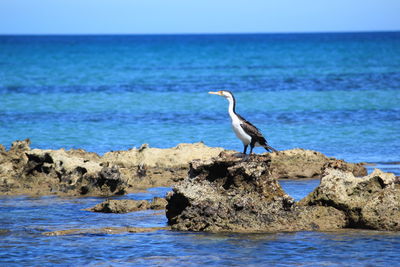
23	221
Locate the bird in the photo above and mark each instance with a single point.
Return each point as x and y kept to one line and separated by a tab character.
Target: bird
244	130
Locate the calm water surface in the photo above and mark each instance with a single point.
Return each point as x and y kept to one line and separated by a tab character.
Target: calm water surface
24	219
335	93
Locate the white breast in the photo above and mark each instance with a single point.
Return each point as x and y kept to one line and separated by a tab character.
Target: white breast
240	133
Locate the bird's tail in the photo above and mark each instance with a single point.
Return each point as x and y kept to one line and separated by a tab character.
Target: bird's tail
269	148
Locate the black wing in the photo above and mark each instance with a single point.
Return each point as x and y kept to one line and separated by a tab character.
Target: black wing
253	131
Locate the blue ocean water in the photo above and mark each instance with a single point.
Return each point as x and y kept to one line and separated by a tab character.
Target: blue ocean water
24	219
336	93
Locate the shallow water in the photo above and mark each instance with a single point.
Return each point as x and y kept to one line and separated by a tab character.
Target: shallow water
335	93
24	219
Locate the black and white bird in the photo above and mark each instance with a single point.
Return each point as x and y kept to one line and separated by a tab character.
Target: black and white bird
244	130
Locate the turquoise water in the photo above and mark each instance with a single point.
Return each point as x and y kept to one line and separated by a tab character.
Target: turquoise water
335	93
27	218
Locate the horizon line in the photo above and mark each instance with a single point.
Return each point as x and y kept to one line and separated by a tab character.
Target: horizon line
201	33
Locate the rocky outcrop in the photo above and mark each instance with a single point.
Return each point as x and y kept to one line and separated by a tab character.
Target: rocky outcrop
300	163
128	205
370	202
227	194
79	173
75	172
68	172
175	157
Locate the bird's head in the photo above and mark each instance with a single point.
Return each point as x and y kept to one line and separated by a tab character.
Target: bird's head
224	93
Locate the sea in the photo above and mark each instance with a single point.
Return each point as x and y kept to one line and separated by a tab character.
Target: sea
336	93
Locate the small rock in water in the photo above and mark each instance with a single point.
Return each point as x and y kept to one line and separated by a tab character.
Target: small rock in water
120	206
105	230
128	205
158	203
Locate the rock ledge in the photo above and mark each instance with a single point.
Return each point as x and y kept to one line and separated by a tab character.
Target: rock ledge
79	173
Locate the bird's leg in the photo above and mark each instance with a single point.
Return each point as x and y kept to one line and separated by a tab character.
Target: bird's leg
242	155
247	157
252	144
245	149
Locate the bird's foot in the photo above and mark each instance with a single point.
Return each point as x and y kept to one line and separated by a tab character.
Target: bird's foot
239	155
246	157
249	156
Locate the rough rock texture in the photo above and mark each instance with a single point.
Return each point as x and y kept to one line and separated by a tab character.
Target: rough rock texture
79	173
300	163
36	171
178	156
105	230
128	205
74	173
227	194
120	206
158	203
370	202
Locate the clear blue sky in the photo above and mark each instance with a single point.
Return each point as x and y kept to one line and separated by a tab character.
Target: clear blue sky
196	16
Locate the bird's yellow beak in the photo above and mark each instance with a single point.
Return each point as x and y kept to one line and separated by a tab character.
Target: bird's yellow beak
215	93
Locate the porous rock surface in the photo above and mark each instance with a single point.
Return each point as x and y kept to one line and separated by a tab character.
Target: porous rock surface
128	205
79	173
76	172
228	194
370	202
105	230
301	163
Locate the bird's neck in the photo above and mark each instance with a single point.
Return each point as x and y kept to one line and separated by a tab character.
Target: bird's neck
231	108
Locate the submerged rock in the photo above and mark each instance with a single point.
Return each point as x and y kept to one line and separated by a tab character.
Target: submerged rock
120	206
128	205
105	230
227	194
